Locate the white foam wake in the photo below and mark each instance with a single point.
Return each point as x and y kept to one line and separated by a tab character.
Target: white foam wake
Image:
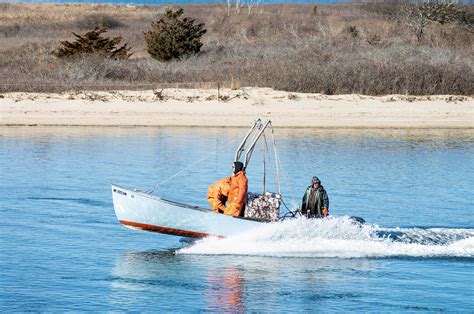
339	237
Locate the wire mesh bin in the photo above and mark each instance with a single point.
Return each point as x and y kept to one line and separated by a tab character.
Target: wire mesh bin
263	206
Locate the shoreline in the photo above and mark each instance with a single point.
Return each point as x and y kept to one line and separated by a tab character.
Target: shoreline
235	108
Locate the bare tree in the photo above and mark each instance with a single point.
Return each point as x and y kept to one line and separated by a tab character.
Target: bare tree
417	19
420	16
251	4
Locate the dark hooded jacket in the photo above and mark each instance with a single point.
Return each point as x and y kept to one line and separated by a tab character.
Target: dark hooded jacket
315	200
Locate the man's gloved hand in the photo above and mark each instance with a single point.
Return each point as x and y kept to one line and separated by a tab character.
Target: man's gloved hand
325	211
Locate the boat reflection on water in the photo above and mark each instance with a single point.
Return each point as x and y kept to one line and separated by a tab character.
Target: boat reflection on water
225	290
141	278
168	281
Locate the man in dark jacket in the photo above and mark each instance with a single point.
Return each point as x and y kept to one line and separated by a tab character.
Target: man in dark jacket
315	200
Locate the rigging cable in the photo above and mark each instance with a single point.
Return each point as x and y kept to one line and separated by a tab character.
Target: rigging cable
278	166
290	213
149	191
265	148
276	162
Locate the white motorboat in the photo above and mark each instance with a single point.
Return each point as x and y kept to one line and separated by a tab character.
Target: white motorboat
144	211
138	210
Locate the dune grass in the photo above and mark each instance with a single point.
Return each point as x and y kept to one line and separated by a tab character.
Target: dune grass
332	49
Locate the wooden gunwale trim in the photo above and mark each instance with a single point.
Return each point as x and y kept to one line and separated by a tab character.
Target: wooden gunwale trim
166	230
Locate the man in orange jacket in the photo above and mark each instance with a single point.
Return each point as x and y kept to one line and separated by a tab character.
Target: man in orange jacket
238	191
217	194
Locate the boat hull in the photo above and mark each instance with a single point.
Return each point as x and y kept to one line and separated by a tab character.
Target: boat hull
138	210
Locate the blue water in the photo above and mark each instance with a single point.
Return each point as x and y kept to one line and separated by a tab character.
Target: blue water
61	247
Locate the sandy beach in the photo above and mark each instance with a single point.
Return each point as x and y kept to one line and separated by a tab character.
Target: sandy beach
200	107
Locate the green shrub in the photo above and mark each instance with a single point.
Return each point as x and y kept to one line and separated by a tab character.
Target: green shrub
93	43
174	36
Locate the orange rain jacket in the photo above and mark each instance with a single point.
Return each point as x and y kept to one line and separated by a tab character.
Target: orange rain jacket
217	194
237	194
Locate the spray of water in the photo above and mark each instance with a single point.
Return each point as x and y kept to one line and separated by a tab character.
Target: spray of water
340	237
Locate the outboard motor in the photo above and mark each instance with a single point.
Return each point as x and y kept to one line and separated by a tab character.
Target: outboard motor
358	220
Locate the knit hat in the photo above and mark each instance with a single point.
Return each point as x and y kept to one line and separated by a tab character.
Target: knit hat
238	166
